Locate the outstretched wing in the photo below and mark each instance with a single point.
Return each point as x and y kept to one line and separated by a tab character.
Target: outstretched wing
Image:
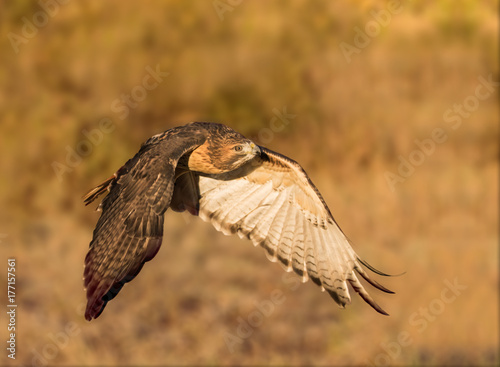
130	229
272	201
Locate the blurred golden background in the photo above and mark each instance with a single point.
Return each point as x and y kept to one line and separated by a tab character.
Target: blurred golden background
391	107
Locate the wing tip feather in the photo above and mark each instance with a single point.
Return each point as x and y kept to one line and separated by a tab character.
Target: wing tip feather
358	287
376	271
374	283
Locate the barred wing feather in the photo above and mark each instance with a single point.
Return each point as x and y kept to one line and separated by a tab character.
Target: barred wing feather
272	202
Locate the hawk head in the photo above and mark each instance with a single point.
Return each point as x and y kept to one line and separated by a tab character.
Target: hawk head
223	151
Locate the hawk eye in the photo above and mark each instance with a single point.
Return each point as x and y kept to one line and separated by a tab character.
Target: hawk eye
238	148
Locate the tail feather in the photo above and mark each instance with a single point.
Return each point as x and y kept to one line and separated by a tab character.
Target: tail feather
97	191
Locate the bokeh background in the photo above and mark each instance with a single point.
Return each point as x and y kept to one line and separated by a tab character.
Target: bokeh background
244	63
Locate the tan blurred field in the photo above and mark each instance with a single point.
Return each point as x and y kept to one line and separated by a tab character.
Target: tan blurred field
354	122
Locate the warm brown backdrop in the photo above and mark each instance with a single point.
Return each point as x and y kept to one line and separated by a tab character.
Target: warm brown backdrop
354	122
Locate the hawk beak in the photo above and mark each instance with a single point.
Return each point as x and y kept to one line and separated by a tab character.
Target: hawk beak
255	149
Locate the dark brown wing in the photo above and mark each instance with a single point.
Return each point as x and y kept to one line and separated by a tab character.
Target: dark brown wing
130	229
272	202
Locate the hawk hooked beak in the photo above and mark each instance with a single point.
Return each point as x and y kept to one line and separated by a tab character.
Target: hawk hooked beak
255	149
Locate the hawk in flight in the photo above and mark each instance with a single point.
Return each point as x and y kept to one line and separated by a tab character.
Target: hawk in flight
214	172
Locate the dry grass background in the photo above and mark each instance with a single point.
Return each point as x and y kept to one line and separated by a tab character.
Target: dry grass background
353	120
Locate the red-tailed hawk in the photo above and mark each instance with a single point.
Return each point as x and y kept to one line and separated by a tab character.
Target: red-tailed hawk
212	171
